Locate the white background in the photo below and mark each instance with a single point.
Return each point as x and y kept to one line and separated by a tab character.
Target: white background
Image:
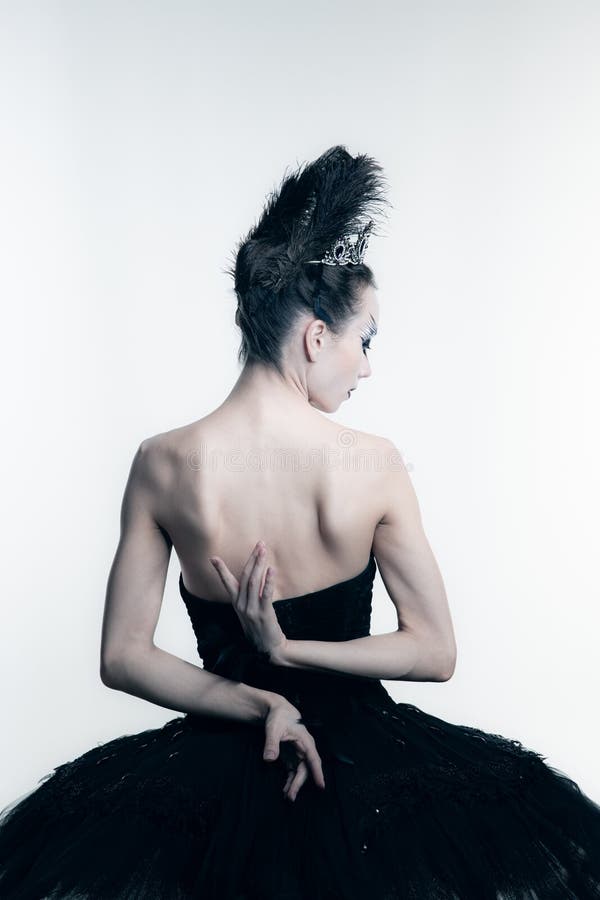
139	141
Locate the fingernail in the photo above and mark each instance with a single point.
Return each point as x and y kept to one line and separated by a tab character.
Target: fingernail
269	755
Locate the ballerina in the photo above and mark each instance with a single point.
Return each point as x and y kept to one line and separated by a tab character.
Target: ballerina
289	772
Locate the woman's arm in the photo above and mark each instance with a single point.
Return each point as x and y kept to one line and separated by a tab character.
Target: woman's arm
174	683
423	648
395	655
130	661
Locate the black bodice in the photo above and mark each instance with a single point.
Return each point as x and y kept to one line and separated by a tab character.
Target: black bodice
339	612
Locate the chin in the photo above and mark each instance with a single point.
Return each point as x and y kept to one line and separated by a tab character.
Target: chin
323	406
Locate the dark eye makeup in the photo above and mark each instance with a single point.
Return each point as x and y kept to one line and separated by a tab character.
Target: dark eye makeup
371	331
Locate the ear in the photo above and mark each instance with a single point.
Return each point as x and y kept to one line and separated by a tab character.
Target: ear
316	334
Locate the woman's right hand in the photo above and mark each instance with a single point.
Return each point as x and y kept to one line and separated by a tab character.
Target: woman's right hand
282	723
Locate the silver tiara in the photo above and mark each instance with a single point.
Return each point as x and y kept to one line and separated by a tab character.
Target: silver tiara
345	251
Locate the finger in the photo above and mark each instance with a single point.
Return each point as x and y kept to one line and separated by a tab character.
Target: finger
230	582
267	591
255	580
288	781
313	761
291	775
242	600
297	781
271	748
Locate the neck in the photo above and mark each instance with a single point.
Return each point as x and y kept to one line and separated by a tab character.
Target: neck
265	395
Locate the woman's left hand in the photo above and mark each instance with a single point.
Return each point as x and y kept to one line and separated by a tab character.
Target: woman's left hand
255	610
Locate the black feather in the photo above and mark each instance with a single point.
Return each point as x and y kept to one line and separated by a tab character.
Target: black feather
314	206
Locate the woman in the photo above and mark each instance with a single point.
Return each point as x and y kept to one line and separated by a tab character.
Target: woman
292	773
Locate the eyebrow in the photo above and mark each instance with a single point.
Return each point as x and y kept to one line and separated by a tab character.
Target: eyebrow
372	325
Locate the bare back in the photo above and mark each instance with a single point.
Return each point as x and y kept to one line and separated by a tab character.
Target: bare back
320	495
311	491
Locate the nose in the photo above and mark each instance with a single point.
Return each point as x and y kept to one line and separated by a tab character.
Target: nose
365	369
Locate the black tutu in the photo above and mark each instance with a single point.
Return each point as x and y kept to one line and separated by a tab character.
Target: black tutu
413	807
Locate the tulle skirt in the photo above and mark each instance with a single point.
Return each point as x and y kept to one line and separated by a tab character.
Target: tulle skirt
413	807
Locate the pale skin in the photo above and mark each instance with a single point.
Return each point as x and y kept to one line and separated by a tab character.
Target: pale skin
216	487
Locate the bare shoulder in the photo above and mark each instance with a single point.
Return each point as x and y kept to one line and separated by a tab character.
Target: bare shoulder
391	457
159	453
162	460
400	498
364	440
151	459
383	452
390	480
155	462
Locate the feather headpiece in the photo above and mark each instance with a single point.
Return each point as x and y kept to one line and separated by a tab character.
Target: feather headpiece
315	211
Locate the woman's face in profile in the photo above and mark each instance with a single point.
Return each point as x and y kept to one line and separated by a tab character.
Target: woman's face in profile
343	359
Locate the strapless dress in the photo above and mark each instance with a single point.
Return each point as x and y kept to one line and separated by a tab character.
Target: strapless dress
414	807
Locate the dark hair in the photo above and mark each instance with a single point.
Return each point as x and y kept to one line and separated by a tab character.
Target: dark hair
266	318
275	283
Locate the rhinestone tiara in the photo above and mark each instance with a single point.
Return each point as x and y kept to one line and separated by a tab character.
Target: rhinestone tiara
345	251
